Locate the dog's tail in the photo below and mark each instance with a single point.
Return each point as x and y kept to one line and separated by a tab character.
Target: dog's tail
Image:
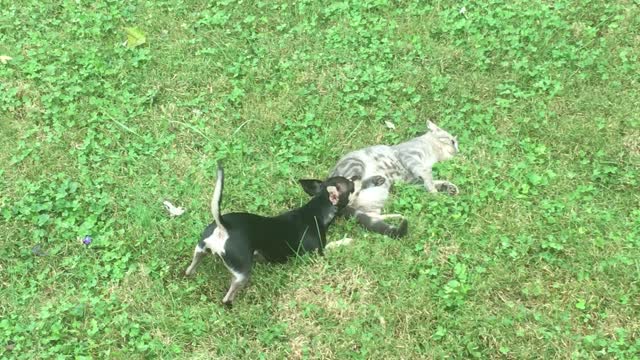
216	200
375	223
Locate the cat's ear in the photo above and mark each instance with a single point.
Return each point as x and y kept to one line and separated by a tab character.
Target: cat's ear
311	186
432	126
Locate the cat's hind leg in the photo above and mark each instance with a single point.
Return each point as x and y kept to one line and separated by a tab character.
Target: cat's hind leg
375	222
367	209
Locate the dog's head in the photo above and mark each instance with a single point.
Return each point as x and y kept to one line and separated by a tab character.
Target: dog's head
339	190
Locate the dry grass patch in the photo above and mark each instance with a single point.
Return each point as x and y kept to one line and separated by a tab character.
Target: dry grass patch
632	142
441	250
320	297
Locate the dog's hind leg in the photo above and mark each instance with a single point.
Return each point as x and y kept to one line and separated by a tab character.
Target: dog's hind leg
258	257
198	254
238	259
237	282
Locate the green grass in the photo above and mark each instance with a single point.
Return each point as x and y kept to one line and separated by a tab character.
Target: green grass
538	257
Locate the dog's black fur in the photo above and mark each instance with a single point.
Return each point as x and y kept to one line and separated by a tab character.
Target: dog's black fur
236	237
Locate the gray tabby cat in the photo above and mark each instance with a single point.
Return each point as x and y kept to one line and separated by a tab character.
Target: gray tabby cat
410	161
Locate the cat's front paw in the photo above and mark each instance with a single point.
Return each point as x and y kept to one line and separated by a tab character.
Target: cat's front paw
446	186
378	180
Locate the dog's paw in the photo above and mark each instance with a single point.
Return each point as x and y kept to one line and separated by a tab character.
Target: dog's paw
337	243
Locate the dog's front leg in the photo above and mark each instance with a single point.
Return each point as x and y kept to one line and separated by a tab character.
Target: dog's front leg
335	244
390	216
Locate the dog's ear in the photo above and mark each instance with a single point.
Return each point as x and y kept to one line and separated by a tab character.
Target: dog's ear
310	186
355	178
334	195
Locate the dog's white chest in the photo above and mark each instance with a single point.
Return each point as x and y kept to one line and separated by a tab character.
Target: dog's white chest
216	241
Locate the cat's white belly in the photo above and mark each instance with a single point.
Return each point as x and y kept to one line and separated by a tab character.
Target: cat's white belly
371	199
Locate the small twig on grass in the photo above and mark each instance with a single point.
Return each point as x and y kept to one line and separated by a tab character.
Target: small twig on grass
239	127
191	127
128	129
352	132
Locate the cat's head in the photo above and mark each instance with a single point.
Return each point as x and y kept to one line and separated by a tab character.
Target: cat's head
447	143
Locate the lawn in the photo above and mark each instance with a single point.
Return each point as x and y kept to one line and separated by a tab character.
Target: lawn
109	108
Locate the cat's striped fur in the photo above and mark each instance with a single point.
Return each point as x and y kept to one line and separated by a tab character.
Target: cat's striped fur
410	161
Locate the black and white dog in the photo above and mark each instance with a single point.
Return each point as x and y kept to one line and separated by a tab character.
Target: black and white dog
237	237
